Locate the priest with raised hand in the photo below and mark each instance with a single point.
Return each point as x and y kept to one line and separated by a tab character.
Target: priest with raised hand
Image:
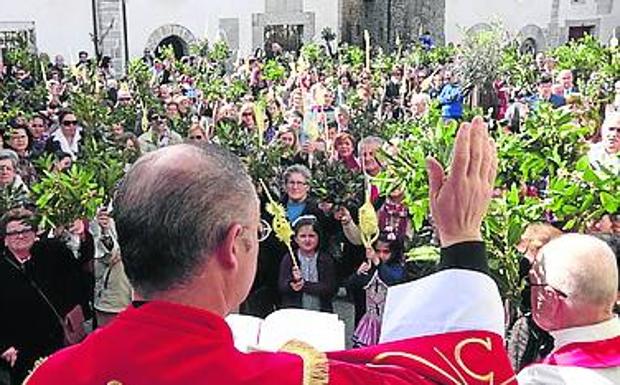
188	222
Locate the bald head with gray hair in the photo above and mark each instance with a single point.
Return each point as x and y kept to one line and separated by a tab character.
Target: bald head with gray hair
584	268
174	208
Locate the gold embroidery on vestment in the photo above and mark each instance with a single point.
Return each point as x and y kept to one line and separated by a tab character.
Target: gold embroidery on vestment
315	365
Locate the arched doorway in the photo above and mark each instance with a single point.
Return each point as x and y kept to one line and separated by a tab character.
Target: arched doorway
174	35
179	46
532	39
528	46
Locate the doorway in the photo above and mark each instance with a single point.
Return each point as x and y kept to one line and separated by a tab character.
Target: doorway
288	36
179	46
576	33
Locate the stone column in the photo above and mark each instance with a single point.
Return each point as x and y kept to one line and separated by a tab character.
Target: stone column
110	32
554	24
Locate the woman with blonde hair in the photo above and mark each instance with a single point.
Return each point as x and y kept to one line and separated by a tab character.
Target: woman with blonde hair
197	134
535	236
247	119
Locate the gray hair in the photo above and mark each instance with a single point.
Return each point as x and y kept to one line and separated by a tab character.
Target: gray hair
369	141
174	208
297	169
10	155
583	267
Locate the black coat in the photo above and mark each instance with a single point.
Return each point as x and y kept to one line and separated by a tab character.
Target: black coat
264	297
28	322
325	289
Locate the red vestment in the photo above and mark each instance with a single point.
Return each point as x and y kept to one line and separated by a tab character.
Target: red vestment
162	343
592	354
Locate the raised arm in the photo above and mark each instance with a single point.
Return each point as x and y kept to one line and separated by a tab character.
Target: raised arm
461	296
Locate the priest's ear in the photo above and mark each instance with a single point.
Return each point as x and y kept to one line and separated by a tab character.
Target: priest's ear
232	247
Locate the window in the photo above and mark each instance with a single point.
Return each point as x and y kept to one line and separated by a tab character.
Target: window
288	36
576	33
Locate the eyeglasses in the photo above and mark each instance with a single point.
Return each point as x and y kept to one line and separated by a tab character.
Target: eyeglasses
560	292
15	233
264	230
69	122
294	183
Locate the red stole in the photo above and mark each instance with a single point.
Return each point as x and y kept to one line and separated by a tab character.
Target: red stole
593	355
470	357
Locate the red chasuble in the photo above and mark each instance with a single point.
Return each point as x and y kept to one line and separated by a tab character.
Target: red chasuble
164	344
593	355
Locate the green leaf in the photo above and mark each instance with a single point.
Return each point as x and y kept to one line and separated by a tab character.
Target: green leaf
590	176
514	232
609	202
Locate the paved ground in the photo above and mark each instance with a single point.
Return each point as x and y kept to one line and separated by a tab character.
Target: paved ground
346	312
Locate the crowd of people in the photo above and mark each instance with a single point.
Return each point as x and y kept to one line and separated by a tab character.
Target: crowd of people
54	281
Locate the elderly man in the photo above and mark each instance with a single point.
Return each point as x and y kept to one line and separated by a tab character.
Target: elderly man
545	93
188	224
574	287
565	79
606	153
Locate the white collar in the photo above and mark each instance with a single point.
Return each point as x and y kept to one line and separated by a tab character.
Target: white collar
299	255
70	148
597	332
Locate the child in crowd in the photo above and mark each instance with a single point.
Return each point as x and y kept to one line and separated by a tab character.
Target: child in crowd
310	284
383	268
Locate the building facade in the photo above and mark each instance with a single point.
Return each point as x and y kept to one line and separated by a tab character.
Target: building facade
537	24
123	29
389	20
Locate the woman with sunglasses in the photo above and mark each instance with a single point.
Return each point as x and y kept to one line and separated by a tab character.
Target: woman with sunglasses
197	134
311	283
68	137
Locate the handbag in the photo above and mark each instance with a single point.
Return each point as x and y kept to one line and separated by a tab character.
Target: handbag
72	324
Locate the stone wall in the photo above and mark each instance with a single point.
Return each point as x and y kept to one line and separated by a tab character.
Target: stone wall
406	19
110	32
282	12
352	19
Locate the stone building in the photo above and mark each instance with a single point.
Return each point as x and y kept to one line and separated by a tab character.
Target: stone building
123	29
538	24
386	20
